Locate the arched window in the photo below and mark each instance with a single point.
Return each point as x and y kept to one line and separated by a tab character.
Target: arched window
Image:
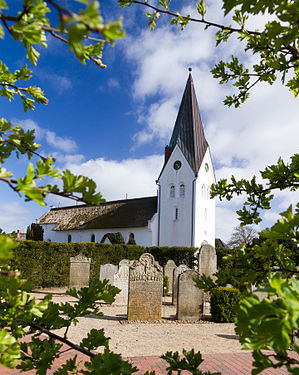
206	214
69	238
93	238
203	190
131	240
182	190
172	191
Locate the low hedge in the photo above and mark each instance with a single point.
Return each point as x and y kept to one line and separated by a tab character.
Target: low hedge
47	264
223	304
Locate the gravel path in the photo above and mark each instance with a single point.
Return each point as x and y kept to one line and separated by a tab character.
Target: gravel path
146	339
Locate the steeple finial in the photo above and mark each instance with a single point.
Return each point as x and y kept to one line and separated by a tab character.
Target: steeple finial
190	69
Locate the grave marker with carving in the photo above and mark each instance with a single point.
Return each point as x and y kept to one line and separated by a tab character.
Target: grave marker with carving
145	289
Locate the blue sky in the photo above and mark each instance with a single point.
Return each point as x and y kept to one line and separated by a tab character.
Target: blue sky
113	124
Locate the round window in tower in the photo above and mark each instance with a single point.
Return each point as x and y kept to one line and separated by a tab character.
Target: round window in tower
177	165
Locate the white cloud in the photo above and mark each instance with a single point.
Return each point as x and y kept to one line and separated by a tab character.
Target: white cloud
271	216
65	144
160	119
118	179
13	216
70	158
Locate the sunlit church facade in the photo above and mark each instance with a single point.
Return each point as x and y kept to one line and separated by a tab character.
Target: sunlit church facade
181	214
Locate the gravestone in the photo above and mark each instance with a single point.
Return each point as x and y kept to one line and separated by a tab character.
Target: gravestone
79	271
168	271
121	281
207	265
190	298
107	271
176	272
207	261
123	262
145	289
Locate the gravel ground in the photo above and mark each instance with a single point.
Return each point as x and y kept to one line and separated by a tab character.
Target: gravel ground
145	339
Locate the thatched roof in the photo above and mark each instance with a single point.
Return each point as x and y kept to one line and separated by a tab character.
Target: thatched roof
117	214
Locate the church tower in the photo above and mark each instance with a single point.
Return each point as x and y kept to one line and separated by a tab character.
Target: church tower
186	214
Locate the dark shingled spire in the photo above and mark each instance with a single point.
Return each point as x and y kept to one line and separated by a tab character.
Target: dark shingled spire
188	131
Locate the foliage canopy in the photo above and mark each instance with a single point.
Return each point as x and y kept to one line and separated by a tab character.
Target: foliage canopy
276	45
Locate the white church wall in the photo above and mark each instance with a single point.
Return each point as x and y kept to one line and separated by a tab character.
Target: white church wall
143	236
176	231
48	233
204	223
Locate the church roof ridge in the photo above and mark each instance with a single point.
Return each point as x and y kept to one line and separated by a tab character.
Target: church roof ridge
188	132
125	213
104	203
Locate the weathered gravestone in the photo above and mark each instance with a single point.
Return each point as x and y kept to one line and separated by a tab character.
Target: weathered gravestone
123	262
121	281
145	289
168	271
207	261
207	265
176	272
107	271
190	298
79	271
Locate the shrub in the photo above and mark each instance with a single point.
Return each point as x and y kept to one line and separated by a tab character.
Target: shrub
47	264
223	304
165	286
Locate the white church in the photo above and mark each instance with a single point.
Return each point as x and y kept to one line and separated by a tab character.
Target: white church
182	213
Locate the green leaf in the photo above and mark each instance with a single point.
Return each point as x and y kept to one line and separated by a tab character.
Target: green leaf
95	338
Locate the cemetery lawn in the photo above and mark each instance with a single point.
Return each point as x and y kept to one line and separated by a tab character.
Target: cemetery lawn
146	339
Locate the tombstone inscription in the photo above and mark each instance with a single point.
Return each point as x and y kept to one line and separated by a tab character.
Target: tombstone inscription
145	289
79	271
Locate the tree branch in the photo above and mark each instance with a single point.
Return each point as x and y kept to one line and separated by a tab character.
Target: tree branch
26	149
10	182
203	21
61	339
